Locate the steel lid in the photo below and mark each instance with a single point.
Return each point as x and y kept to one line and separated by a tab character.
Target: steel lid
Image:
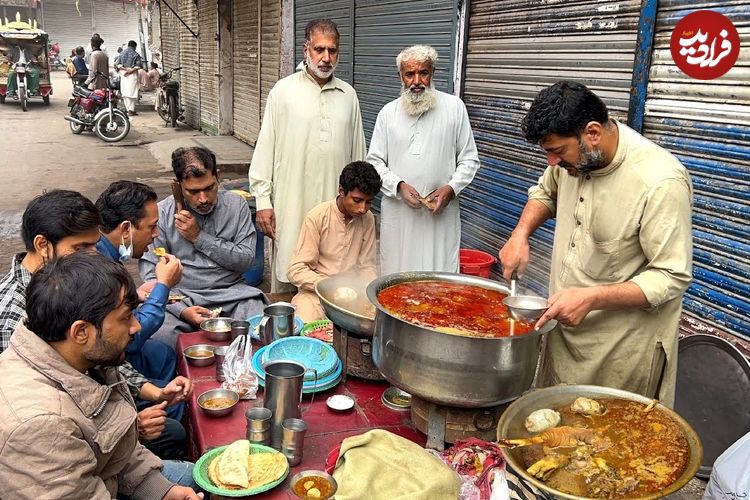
713	388
396	399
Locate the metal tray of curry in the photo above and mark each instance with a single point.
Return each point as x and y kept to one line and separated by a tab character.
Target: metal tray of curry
616	445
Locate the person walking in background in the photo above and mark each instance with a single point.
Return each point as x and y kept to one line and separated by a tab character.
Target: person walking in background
98	66
130	65
312	127
423	149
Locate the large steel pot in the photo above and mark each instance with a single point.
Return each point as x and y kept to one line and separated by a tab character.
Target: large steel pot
511	425
342	316
453	370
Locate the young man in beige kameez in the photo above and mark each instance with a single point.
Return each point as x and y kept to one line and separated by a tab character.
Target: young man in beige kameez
338	236
622	253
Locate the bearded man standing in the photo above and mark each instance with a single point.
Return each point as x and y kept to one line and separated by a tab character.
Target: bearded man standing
424	151
312	127
622	253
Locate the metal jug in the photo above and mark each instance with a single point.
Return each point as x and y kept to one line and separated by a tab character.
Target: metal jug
277	322
283	394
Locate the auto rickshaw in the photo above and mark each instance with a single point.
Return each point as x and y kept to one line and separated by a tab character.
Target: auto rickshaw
24	62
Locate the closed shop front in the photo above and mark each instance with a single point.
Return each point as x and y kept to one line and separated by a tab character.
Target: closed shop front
170	40
209	66
257	34
190	73
373	33
66	26
514	50
706	123
117	24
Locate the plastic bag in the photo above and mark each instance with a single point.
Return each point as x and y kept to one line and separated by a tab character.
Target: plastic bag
238	368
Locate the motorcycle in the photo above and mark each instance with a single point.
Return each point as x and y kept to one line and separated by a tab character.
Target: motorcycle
23	89
168	99
97	110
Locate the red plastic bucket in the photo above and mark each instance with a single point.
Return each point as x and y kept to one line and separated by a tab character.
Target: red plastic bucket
475	262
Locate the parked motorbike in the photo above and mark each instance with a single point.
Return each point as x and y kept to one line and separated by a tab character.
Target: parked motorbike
97	110
168	99
23	88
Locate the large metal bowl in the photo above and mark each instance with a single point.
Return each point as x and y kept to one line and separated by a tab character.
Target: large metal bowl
453	370
341	315
511	425
217	329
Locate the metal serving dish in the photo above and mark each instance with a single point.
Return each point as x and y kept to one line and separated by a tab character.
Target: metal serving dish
218	393
217	329
467	372
350	320
192	359
511	425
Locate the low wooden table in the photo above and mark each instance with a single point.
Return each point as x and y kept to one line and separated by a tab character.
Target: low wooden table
326	428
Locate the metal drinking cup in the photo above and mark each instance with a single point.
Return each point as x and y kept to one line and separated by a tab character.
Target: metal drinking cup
259	425
293	438
220	354
240	327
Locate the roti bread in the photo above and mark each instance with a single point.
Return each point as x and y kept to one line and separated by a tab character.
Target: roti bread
265	468
231	468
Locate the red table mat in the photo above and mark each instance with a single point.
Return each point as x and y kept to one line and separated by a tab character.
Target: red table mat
325	427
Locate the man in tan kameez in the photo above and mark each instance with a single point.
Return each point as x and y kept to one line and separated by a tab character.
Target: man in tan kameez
312	127
338	236
622	253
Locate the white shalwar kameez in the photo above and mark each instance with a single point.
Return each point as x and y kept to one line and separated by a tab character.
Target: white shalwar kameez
129	89
427	152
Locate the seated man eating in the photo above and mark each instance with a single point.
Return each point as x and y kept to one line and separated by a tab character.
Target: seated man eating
337	236
67	422
213	235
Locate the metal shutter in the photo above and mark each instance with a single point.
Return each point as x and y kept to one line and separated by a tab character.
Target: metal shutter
515	48
170	39
190	73
270	22
209	66
339	11
246	70
707	125
117	24
65	26
382	30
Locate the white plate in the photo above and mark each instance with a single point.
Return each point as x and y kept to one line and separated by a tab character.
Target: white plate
340	402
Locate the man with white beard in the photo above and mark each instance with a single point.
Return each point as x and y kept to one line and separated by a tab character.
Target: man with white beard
312	128
424	151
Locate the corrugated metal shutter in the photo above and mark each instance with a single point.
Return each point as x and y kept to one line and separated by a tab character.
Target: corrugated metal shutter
339	11
190	73
65	26
707	125
209	66
515	48
382	30
170	39
117	24
246	70
269	48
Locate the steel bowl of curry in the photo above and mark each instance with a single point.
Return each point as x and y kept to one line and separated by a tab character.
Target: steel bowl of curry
199	354
448	338
218	402
313	484
604	443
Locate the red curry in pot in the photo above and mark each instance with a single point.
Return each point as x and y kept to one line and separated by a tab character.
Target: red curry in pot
452	308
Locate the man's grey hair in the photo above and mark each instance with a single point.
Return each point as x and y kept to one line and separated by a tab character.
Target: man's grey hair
323	26
418	53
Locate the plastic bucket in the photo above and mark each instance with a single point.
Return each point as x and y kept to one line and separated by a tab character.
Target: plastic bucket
475	262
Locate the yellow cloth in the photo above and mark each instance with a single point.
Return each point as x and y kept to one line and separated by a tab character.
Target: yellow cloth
329	245
381	465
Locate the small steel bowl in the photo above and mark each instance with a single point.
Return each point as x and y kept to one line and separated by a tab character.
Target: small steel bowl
305	475
217	329
218	393
525	307
192	359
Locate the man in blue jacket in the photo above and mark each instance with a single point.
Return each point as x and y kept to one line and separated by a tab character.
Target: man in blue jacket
129	224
